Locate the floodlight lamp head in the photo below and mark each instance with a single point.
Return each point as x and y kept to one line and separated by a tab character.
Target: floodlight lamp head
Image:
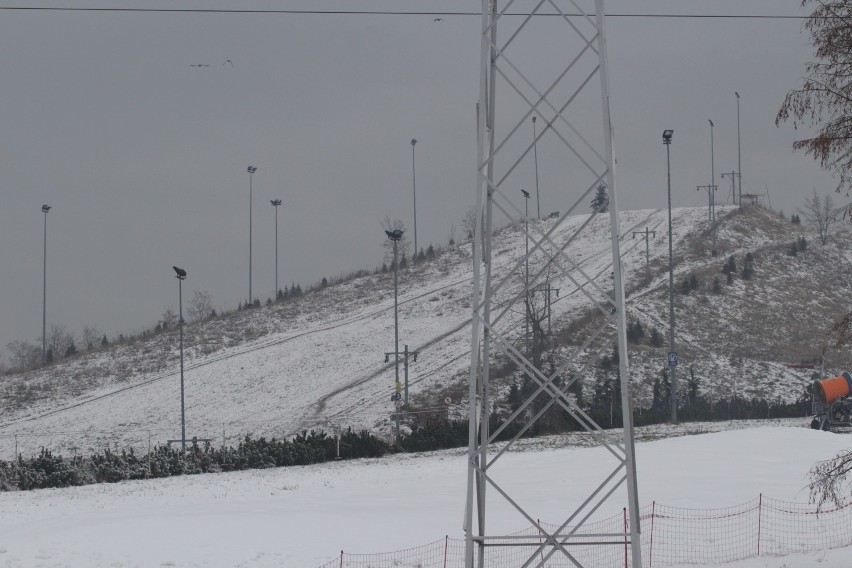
394	235
711	123
533	118
251	169
45	207
736	93
526	193
413	141
667	136
181	273
275	202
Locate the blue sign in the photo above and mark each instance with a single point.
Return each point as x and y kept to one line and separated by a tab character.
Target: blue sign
673	360
396	396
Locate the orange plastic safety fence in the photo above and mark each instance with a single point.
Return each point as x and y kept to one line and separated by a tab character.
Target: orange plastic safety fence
670	536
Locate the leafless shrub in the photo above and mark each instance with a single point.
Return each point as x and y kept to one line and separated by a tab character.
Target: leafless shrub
200	306
829	479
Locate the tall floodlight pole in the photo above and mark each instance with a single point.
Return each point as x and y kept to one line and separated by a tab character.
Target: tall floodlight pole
739	154
535	159
395	237
712	188
44	208
276	203
181	276
526	195
414	190
250	170
672	359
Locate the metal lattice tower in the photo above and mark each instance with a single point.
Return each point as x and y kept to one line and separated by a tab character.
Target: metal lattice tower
551	62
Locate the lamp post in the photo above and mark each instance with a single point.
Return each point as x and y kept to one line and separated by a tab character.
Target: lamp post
250	170
739	154
181	276
44	208
526	195
395	237
414	189
667	140
535	158
276	203
712	188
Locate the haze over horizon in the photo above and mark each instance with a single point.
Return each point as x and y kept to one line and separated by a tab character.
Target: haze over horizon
137	129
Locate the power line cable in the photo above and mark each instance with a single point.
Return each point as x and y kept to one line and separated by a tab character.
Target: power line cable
286	11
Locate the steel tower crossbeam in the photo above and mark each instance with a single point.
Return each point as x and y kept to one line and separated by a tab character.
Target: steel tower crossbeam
519	66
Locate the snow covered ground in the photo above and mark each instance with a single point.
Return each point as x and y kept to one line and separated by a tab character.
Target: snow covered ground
302	517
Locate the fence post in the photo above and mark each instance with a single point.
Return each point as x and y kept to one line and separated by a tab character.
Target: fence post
651	548
759	519
626	532
341	559
446	542
539	540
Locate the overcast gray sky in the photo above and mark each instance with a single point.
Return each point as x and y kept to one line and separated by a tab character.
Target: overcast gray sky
142	154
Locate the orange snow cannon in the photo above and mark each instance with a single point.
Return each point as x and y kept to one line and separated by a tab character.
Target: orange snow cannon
833	388
832	402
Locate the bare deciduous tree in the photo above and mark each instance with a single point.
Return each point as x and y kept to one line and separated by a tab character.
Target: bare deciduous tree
404	245
91	337
58	340
200	305
830	479
24	355
821	213
170	318
825	97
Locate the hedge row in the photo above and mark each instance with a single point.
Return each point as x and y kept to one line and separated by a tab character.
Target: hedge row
53	470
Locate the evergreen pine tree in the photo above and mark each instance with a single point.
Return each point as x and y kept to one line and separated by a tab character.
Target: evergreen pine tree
748	267
104	341
601	201
717	285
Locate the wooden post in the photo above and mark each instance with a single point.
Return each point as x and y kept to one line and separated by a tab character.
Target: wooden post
446	542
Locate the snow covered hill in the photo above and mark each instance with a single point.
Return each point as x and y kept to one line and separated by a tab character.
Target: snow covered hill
319	362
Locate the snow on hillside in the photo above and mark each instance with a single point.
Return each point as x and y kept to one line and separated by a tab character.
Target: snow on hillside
320	362
301	517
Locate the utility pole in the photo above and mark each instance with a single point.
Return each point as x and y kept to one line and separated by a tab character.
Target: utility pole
414	190
44	208
711	214
733	177
535	157
739	153
405	355
526	195
646	232
713	184
395	237
672	356
276	203
250	170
